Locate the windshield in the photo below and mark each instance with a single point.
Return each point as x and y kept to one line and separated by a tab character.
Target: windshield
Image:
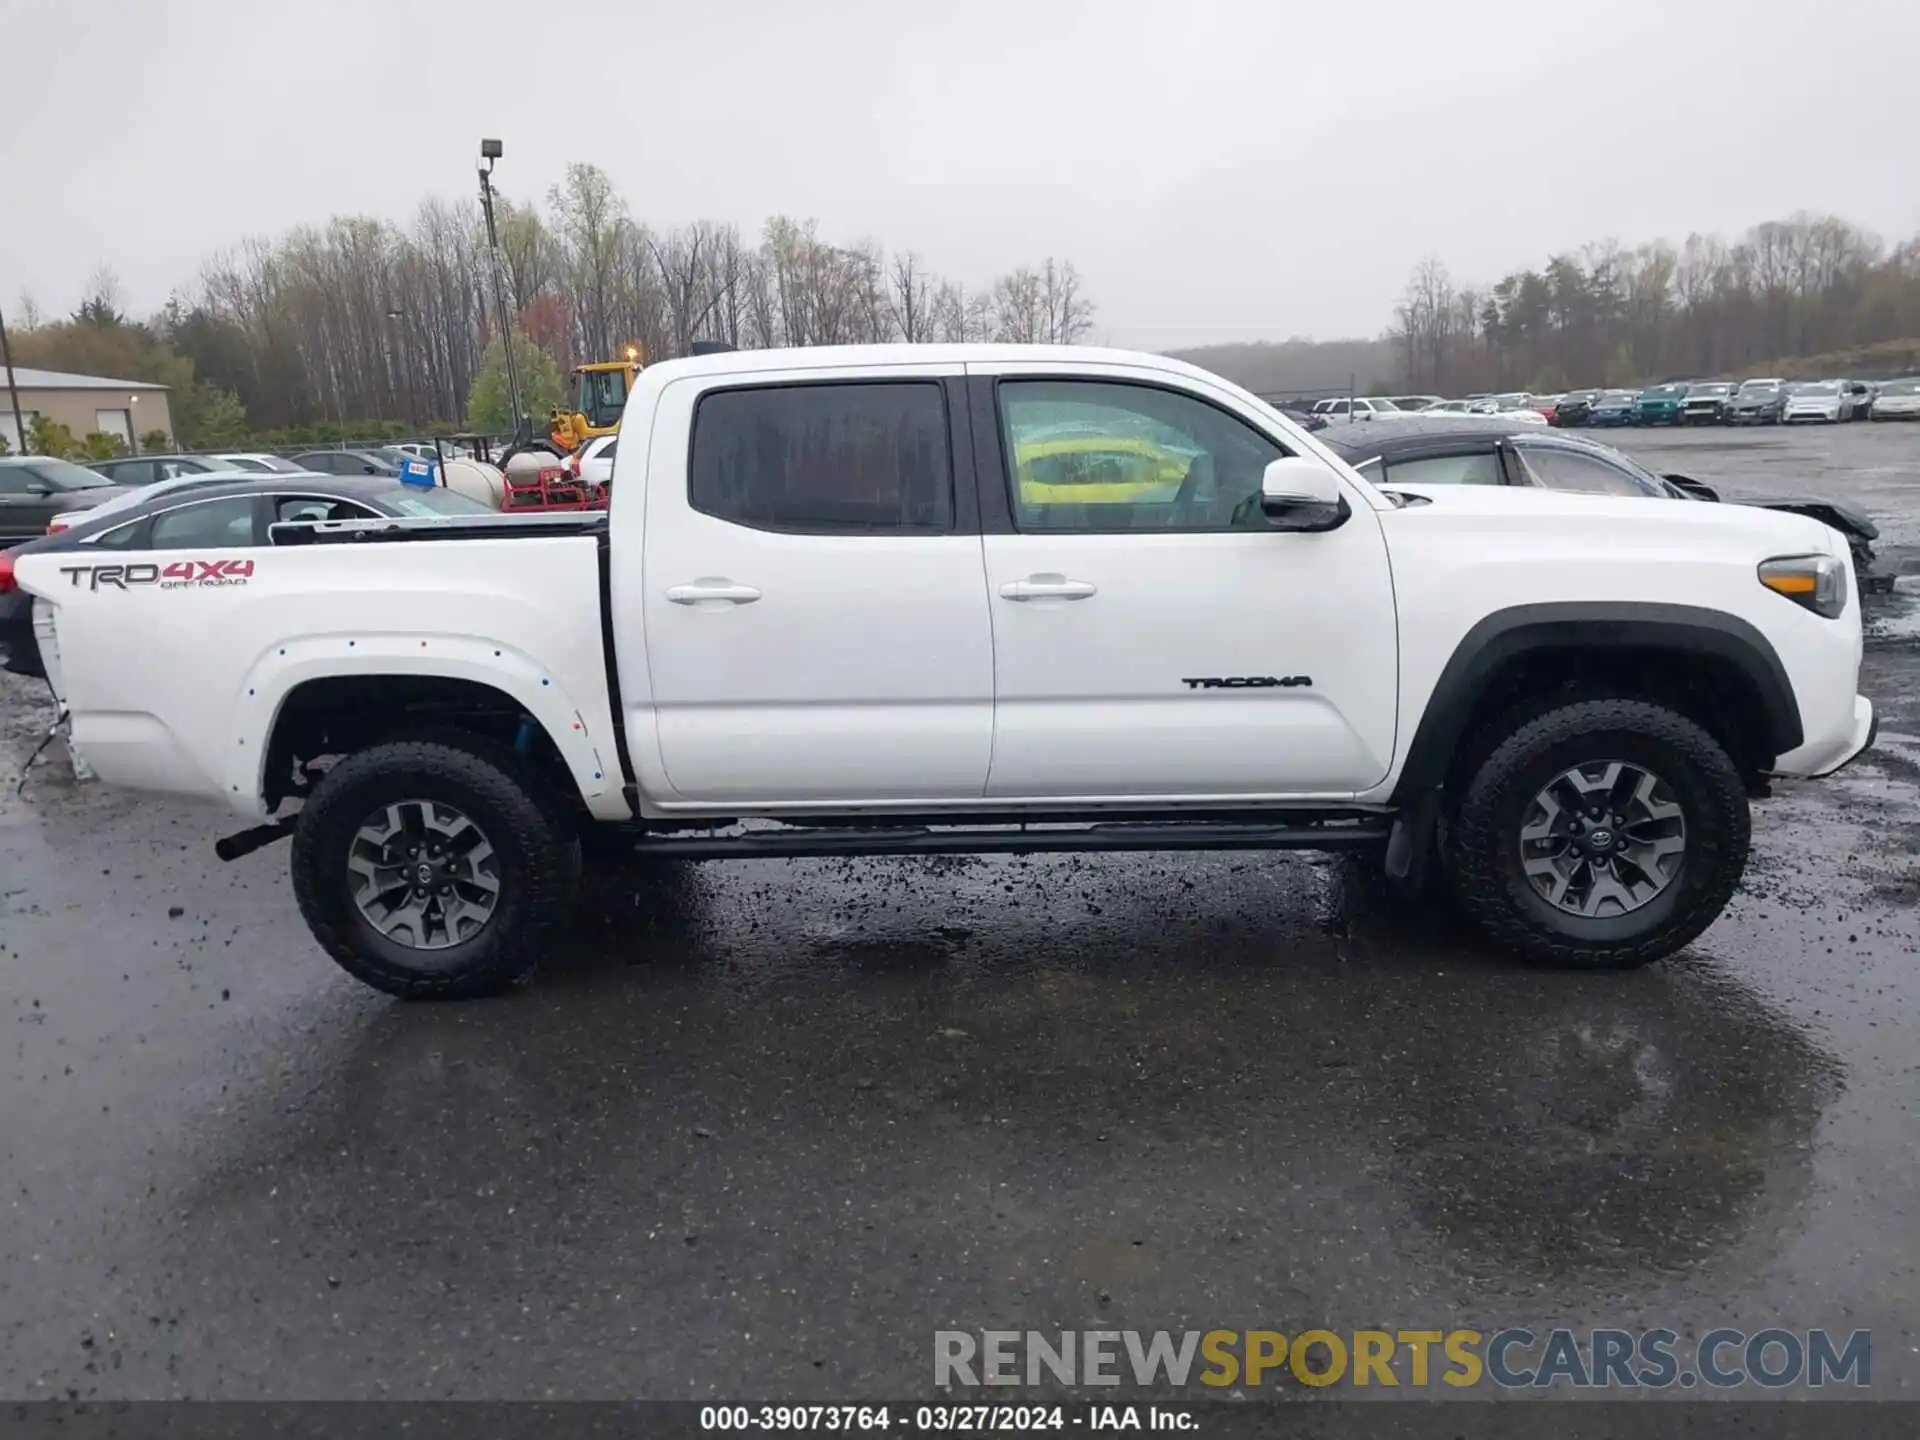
603	394
1711	390
1664	390
436	501
1819	387
1758	387
1617	397
1901	387
65	475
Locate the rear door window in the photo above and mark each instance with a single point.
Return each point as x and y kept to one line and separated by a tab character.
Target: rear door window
825	459
126	537
1481	468
212	525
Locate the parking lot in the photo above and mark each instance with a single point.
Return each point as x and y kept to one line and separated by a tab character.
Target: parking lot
769	1125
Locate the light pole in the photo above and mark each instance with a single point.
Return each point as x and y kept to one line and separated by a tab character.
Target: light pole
133	424
490	151
13	390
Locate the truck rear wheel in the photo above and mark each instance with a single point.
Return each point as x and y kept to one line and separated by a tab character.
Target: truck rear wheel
430	870
1600	834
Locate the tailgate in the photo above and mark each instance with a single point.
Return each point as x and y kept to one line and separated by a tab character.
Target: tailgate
49	643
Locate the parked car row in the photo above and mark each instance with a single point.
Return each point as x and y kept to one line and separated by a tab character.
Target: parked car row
1516	405
1764	400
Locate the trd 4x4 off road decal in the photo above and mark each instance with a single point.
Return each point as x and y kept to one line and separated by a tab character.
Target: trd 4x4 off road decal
175	575
1250	682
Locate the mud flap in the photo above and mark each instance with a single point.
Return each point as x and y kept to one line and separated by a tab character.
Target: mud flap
1410	842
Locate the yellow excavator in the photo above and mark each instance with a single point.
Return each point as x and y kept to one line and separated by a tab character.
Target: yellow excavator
600	394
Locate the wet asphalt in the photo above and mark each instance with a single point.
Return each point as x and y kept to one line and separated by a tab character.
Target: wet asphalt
768	1125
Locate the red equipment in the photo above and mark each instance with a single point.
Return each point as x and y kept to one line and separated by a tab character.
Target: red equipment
553	487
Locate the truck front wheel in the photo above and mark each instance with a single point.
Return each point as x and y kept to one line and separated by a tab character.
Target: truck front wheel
430	870
1600	834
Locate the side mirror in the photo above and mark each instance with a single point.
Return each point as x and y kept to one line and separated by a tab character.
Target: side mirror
39	487
1302	495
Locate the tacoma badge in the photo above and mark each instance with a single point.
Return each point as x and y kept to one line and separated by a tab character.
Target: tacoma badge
1250	682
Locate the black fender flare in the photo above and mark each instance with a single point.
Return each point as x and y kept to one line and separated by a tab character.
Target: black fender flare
1620	625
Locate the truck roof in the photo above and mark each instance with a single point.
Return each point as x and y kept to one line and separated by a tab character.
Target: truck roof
839	357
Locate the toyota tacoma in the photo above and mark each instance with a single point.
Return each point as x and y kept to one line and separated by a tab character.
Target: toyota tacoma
835	610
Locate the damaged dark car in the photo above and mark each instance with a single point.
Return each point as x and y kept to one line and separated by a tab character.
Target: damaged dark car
1493	452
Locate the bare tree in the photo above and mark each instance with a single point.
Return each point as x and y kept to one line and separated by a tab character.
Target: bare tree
588	215
1803	286
1019	309
357	319
1067	315
909	298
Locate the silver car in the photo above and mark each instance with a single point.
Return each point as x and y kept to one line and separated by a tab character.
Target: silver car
1897	400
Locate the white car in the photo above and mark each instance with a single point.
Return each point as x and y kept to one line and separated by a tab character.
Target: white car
1479	410
1897	400
1370	408
259	462
1822	400
841	594
595	460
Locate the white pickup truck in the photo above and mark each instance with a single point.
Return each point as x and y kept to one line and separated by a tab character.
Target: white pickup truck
914	599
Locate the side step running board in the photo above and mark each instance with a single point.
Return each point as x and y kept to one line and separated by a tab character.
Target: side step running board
1009	840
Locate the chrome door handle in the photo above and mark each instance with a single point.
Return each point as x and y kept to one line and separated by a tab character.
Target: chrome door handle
712	587
1047	587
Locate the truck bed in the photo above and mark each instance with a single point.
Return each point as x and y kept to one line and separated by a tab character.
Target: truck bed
509	605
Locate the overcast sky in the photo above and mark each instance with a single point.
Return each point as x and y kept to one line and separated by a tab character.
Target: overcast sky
1218	169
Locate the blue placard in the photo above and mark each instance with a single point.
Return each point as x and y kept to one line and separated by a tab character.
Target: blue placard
417	472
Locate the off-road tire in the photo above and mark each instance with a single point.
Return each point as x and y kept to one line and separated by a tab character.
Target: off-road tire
1525	752
539	866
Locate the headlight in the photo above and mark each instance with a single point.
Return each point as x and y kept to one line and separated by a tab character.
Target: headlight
1815	581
